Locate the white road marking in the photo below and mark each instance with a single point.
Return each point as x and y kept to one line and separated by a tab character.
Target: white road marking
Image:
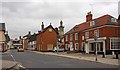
13	58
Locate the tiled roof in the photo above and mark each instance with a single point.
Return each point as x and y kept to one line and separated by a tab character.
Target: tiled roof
86	25
32	38
50	26
2	26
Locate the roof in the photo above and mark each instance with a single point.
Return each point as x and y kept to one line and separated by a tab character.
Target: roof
28	36
42	31
103	20
2	26
32	38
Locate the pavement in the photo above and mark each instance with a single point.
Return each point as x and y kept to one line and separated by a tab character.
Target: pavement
6	64
89	57
35	59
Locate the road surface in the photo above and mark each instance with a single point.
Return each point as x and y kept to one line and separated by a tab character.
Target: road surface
35	60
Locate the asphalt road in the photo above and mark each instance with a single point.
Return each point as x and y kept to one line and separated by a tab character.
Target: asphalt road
35	60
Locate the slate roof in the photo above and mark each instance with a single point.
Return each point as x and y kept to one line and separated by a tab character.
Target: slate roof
42	31
32	38
2	26
103	20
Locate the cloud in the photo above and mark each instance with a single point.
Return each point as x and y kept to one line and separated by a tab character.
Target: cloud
21	17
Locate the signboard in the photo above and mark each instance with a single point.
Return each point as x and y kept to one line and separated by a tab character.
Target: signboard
95	36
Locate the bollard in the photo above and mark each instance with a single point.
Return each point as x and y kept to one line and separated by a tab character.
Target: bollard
103	55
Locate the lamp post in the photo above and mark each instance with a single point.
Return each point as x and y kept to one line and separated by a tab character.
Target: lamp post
57	44
95	39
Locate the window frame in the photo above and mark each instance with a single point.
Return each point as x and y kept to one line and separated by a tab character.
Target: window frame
86	35
113	20
113	48
76	36
71	37
66	37
97	32
92	23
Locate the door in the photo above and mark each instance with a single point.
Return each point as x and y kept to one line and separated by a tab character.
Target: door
71	46
100	46
86	48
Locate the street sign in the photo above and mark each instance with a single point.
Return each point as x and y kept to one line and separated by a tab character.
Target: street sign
95	38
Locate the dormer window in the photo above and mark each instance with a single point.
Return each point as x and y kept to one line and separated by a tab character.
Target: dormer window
113	20
92	23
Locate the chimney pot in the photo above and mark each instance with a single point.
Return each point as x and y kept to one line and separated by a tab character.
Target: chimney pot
88	16
42	26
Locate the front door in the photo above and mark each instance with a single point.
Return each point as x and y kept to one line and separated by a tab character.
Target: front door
100	46
71	46
86	48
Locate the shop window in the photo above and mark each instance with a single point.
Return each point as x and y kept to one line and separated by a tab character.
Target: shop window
115	44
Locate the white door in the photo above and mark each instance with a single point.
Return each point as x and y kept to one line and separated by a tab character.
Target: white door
86	48
71	46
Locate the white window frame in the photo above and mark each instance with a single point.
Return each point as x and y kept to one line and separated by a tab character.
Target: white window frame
76	36
113	20
97	33
71	37
86	35
113	40
76	48
92	23
66	37
83	37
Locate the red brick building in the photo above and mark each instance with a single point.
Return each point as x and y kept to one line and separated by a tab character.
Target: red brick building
102	30
46	38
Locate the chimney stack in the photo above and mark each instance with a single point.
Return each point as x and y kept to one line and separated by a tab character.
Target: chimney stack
29	33
20	37
88	16
42	26
119	19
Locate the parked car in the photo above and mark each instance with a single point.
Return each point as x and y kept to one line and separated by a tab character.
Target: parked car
55	49
20	49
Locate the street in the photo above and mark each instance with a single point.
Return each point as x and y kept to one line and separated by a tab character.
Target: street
35	60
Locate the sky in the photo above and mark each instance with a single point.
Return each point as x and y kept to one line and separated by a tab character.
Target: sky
21	16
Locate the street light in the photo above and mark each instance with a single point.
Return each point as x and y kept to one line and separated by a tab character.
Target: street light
58	40
95	39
